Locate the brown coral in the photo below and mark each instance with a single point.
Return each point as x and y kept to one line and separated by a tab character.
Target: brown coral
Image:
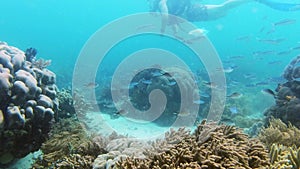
280	133
284	157
41	63
68	138
211	146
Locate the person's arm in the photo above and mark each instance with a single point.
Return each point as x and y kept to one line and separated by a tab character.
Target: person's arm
164	13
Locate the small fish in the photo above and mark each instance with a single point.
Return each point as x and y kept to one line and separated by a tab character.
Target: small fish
133	84
233	110
91	85
204	95
261	30
210	84
290	97
147	82
226	70
266	52
276	80
243	38
275	62
198	32
250	85
109	105
285	22
167	74
295	48
296	79
172	83
249	76
198	102
237	57
156	73
235	95
272	41
283	52
261	83
269	91
121	112
183	114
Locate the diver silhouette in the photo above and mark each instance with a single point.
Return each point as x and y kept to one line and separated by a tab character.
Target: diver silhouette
194	12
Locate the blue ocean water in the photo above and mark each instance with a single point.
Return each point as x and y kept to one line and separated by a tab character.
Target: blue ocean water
243	39
253	41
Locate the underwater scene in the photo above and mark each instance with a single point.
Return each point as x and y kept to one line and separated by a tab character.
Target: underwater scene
150	84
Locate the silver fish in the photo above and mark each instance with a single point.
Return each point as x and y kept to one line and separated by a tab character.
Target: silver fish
285	22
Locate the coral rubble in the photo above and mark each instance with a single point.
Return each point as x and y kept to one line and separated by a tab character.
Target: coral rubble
28	102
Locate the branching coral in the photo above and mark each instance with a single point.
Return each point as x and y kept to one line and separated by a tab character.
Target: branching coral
211	146
280	133
66	106
75	161
283	157
41	63
68	138
80	104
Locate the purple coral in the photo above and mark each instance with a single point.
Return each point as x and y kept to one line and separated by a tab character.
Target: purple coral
28	101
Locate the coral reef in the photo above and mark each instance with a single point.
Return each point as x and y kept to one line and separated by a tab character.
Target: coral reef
66	104
287	104
280	133
41	63
30	54
168	81
28	102
120	147
284	157
69	145
288	96
292	70
210	146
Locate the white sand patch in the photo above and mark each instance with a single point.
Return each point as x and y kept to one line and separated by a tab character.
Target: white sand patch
103	124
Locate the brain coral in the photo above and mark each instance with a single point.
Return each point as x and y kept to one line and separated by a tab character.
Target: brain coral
28	103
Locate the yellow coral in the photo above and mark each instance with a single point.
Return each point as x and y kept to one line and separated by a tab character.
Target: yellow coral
280	133
283	157
68	138
211	146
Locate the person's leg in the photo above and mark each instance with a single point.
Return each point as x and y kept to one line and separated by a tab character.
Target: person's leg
217	11
281	6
